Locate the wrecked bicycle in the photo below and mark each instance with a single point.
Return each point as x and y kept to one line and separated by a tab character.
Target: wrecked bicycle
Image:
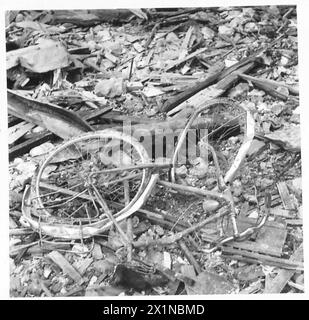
98	179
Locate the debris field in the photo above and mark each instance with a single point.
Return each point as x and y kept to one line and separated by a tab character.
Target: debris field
154	152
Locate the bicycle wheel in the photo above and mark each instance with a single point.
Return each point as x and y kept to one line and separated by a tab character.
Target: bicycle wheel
225	117
63	190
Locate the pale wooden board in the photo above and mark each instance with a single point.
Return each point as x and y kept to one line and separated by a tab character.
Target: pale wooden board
66	267
281	212
285	196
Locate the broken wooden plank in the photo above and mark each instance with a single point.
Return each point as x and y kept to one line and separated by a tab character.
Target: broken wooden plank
280	212
212	92
148	58
109	56
172	78
185	43
252	257
190	256
27	145
152	34
271	86
285	196
279	282
66	267
12	121
229	80
175	101
40	249
18	131
188	57
295	222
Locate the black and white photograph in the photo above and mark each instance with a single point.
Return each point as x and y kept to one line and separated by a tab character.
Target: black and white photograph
154	151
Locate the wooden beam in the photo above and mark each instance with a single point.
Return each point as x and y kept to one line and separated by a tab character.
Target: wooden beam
27	145
279	282
251	257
